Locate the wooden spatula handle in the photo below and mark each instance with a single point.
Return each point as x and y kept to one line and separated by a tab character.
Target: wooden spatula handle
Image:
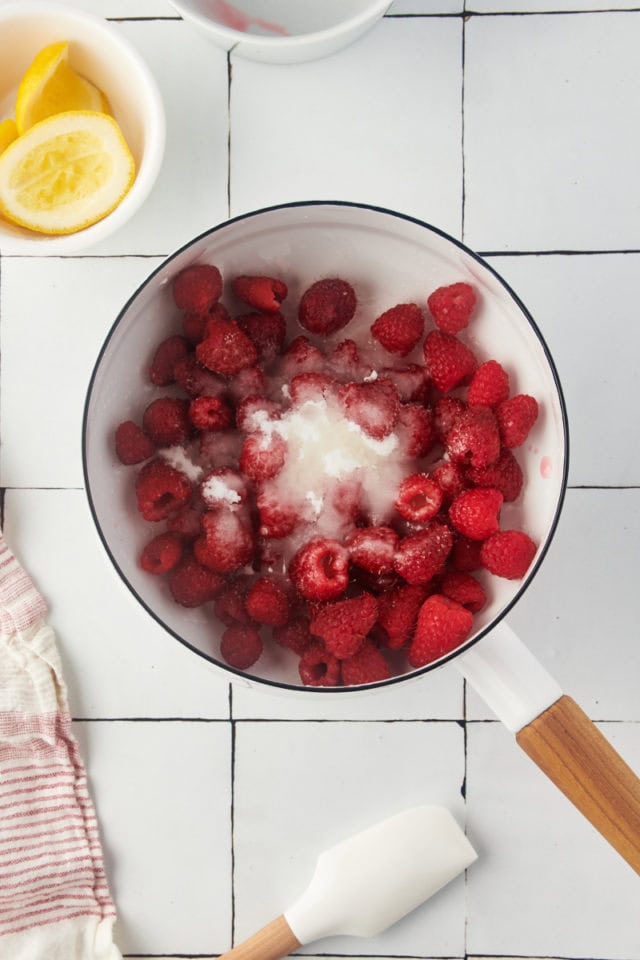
273	941
570	749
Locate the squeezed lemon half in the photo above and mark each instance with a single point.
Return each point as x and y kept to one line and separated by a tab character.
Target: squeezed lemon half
65	173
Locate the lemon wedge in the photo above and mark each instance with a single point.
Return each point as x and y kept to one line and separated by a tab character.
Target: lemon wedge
65	173
8	133
51	86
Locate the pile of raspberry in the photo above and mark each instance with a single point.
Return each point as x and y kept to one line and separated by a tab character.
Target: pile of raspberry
383	592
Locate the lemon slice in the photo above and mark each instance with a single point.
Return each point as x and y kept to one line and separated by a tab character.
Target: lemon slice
51	86
8	133
65	173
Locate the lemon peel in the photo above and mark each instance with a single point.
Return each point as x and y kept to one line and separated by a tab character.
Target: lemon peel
8	133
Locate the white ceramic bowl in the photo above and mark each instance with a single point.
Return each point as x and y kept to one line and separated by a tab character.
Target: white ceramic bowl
282	31
98	52
390	259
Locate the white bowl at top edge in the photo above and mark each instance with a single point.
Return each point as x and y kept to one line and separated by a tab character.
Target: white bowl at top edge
282	31
98	52
389	258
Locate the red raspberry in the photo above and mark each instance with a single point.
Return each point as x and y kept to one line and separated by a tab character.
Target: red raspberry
132	445
504	475
343	625
251	410
474	438
294	635
267	602
263	293
516	416
219	448
346	500
311	386
399	329
224	487
262	457
161	490
508	554
320	569
277	519
186	522
166	421
398	612
446	413
167	354
301	357
373	549
420	556
475	513
162	553
196	381
412	382
464	589
249	382
344	360
367	665
451	307
191	584
267	331
374	406
489	385
194	325
196	288
442	626
465	555
451	479
375	583
226	543
226	349
327	306
419	498
318	667
241	646
210	413
448	361
415	430
229	605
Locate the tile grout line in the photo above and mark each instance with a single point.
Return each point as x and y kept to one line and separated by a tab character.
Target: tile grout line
463	41
232	725
229	79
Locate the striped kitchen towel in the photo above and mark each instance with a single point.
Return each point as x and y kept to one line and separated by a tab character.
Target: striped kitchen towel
54	898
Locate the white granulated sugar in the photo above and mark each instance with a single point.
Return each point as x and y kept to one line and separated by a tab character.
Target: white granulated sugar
215	490
179	459
370	376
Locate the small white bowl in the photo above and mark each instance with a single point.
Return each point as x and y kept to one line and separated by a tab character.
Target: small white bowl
282	31
99	53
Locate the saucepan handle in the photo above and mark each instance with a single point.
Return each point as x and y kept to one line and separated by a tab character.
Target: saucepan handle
558	736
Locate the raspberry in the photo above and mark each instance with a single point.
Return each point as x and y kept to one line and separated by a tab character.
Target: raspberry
194	325
301	357
327	306
263	293
415	430
294	635
311	386
161	490
226	543
277	519
196	381
262	457
241	646
346	500
489	385
448	361
367	665
475	513
446	413
132	445
267	331
343	625
210	413
167	354
226	349
344	360
399	329
191	584
229	605
419	498
373	549
166	421
412	382
442	626
504	475
248	382
186	522
464	589
465	555
451	307
508	554
516	416
224	487
318	667
252	410
374	406
162	553
420	556
451	479
267	602
219	448
398	612
320	569
196	288
474	438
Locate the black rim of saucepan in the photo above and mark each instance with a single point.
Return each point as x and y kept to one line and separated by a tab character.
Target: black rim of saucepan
552	527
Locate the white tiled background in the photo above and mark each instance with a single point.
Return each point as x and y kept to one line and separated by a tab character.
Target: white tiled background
515	127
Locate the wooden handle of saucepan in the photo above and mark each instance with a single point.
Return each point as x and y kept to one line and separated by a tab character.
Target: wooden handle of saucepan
570	749
275	940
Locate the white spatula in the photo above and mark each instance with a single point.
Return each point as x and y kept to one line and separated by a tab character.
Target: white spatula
368	882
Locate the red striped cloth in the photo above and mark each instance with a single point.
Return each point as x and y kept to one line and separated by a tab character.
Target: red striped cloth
54	898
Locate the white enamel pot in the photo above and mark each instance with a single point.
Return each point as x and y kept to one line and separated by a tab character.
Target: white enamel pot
390	258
